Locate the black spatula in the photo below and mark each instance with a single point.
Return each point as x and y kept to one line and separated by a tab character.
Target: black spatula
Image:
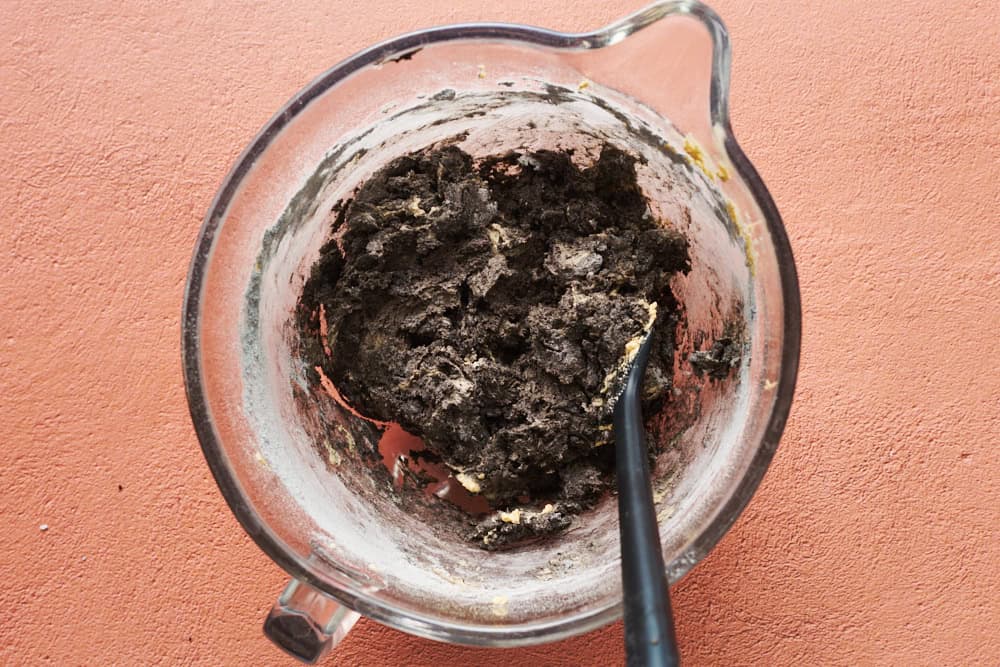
649	623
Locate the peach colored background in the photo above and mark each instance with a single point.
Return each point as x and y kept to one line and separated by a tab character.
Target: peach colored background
873	539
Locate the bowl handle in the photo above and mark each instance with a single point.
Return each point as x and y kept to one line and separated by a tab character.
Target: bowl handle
306	623
672	54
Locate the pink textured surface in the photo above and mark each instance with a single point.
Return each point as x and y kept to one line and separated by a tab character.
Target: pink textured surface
873	539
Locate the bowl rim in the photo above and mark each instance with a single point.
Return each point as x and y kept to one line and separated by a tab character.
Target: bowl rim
406	620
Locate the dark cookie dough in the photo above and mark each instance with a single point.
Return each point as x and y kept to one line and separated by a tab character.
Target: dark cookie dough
718	361
483	305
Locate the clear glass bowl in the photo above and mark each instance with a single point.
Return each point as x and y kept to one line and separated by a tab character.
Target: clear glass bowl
656	83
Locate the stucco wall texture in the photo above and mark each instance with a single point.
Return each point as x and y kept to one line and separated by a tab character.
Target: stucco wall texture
874	537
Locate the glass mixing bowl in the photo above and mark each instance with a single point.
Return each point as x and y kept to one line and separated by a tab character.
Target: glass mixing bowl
291	462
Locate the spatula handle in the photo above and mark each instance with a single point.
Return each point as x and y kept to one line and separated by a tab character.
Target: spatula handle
649	627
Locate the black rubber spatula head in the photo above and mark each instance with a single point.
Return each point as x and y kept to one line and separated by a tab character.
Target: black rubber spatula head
649	624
